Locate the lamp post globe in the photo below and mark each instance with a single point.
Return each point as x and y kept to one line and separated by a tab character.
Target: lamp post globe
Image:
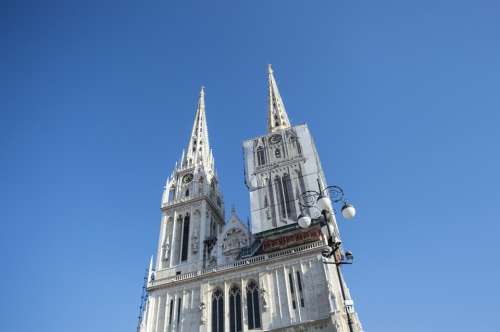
324	203
304	221
348	211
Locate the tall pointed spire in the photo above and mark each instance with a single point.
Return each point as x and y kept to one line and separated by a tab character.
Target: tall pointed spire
277	117
199	147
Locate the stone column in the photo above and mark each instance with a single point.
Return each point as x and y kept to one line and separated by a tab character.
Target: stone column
227	285
244	314
151	311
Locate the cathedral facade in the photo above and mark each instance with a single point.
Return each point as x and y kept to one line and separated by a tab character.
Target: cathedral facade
216	275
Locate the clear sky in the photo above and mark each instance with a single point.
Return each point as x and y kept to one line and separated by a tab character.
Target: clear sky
98	99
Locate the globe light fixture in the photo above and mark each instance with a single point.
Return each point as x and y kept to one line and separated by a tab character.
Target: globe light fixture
324	203
304	221
323	200
348	211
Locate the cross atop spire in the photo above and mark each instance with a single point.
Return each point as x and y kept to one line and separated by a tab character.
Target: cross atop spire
199	147
277	117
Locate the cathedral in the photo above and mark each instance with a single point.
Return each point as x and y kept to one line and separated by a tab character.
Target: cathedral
281	272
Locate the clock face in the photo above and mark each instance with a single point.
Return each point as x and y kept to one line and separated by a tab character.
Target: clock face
187	178
275	139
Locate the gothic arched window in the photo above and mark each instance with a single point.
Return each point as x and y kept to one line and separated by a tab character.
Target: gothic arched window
235	309
279	192
212	227
271	198
289	199
260	156
185	239
253	305
301	293
217	311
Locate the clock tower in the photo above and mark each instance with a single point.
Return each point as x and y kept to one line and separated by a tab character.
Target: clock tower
192	205
279	167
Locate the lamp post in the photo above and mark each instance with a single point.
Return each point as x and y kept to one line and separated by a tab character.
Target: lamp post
322	200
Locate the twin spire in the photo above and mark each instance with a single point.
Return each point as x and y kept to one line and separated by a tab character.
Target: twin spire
199	148
277	118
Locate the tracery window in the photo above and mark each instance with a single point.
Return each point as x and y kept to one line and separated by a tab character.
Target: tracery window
185	239
217	311
286	199
253	306
235	309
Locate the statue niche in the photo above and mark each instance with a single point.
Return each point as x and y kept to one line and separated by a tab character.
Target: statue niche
234	240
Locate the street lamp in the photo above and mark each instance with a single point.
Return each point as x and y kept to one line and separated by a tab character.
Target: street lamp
322	200
348	211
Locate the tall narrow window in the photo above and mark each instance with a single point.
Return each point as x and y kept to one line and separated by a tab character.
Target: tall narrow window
212	227
253	305
289	199
217	311
301	293
171	311
271	197
260	156
235	309
185	239
279	193
179	304
292	291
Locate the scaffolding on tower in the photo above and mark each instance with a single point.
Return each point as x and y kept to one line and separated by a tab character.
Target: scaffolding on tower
144	300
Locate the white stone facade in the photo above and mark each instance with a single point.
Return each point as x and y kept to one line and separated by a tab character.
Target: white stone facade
214	276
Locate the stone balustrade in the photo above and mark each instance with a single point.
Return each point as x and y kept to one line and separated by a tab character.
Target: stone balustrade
162	279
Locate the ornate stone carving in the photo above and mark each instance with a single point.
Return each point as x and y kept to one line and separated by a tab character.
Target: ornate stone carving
194	242
203	318
263	297
166	250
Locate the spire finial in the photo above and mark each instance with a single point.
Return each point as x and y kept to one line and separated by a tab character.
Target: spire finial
277	117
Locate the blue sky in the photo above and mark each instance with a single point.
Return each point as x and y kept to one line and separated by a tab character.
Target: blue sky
98	98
